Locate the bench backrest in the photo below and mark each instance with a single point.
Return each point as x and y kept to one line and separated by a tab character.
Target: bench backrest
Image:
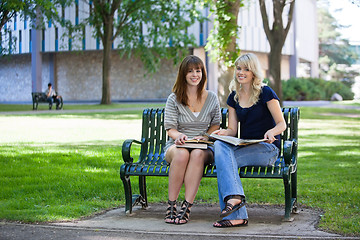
154	135
39	96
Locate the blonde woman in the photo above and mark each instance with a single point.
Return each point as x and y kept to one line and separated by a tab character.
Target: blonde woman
257	108
190	112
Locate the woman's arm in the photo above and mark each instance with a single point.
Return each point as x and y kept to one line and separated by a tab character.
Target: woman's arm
275	110
233	124
179	138
211	129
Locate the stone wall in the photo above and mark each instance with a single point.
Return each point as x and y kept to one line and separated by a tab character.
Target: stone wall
78	77
15	78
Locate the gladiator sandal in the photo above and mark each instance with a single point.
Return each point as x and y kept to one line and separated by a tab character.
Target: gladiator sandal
229	208
171	212
183	216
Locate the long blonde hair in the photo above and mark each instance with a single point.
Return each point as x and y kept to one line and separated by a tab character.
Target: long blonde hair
251	62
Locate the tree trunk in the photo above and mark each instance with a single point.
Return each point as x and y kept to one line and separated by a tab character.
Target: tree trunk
106	88
276	36
275	70
226	74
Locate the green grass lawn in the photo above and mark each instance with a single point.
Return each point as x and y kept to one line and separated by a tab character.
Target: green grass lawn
66	166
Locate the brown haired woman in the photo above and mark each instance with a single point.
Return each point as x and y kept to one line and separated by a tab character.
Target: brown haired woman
190	112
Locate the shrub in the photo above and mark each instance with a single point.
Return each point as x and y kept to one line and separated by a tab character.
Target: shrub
298	89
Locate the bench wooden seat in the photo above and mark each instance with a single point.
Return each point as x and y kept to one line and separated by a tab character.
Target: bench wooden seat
151	162
40	97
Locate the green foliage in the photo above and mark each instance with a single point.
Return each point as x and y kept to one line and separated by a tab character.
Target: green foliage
327	25
340	53
334	52
41	10
8	9
297	89
151	29
222	38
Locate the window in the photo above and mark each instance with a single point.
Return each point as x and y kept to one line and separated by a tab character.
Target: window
30	39
10	42
77	12
25	22
63	13
201	37
43	41
20	41
83	38
56	39
15	22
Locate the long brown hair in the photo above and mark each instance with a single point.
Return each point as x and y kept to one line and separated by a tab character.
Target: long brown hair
180	85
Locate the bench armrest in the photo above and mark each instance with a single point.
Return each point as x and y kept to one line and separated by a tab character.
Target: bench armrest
126	150
290	148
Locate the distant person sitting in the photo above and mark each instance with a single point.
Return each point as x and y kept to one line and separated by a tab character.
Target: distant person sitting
52	97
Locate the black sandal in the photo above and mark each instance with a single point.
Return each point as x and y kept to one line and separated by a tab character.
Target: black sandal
171	212
184	213
227	223
229	208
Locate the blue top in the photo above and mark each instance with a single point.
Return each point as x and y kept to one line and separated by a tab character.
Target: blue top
257	119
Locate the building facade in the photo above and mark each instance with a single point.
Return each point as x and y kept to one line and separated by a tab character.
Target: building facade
75	67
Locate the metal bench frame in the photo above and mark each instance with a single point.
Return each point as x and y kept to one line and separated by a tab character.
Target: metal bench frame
151	162
40	97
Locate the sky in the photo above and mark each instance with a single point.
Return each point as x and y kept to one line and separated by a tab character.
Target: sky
349	15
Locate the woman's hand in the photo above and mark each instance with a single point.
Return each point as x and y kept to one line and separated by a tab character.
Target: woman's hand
180	139
205	138
269	136
221	132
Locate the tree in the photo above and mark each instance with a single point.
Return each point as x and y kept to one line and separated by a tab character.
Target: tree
150	29
42	10
357	2
8	9
335	53
222	41
276	35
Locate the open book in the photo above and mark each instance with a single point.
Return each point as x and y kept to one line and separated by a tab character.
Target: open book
236	141
195	143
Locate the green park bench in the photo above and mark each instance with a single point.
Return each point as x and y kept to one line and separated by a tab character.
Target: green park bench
40	97
150	160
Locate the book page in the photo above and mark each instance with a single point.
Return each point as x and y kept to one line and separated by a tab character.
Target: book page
236	141
198	141
228	139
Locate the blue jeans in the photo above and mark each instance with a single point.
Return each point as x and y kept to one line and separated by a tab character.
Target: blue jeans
229	158
52	99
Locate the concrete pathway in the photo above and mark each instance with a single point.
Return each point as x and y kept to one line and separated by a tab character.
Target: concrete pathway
265	222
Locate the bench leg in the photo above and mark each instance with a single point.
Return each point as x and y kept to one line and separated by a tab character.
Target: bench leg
142	187
35	105
61	103
288	204
294	192
128	193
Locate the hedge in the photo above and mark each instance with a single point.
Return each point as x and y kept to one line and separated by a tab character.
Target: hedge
298	89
